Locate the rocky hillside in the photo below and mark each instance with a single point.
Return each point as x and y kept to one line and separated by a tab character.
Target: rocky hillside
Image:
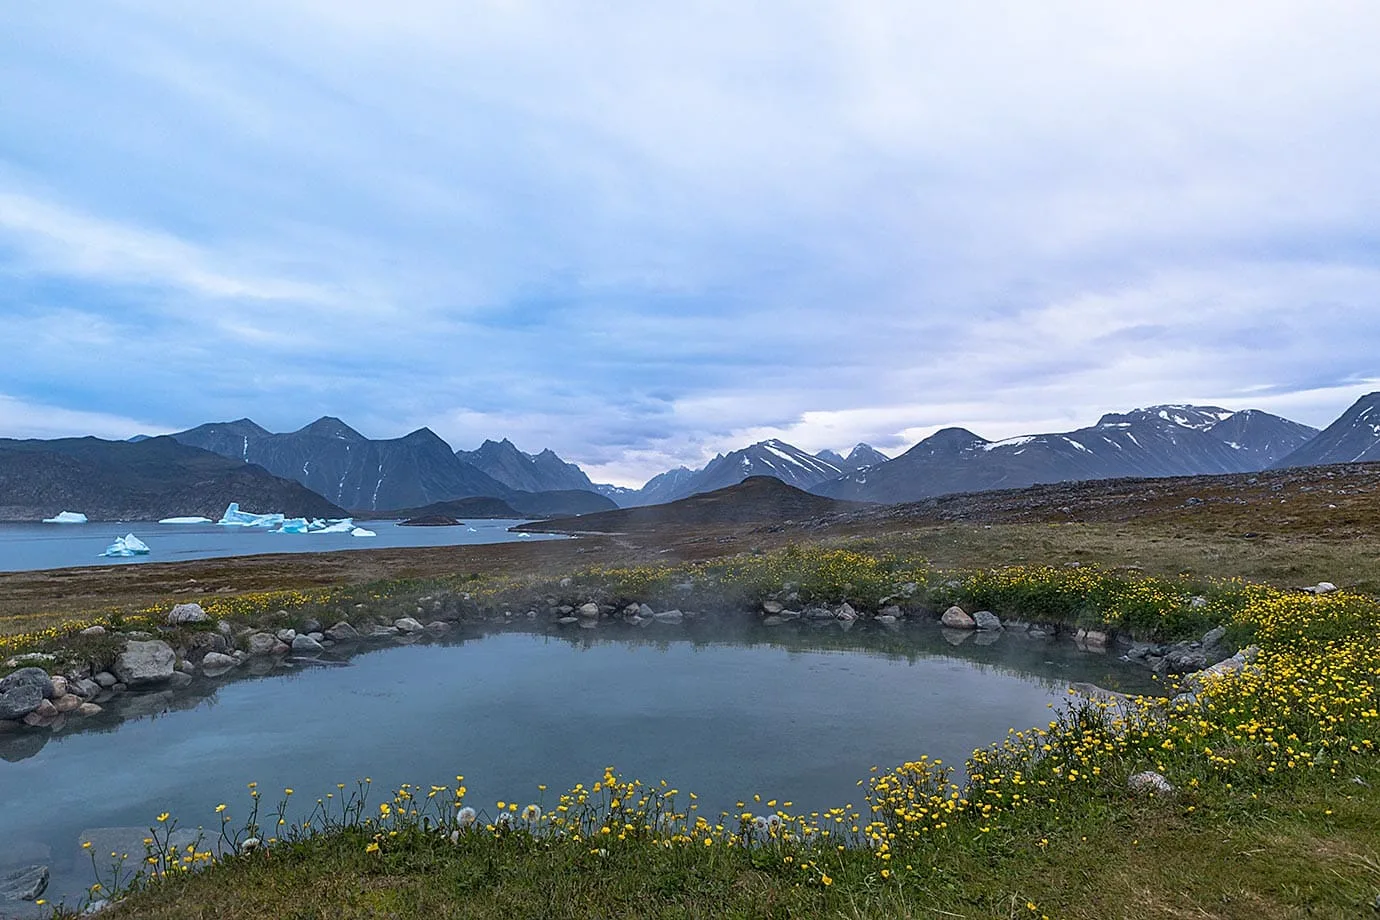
139	481
860	457
773	458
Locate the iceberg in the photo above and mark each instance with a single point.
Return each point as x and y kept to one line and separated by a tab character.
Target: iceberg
234	517
293	525
361	532
128	545
185	520
344	525
66	517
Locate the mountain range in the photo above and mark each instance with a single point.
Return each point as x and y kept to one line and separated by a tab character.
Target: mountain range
327	466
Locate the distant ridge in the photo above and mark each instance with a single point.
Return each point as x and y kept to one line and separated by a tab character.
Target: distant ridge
140	481
757	499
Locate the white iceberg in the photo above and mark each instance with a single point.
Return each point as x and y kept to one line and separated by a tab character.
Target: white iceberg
234	517
185	520
293	525
344	525
66	517
361	532
128	545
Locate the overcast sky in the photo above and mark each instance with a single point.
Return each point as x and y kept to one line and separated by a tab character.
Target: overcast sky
640	233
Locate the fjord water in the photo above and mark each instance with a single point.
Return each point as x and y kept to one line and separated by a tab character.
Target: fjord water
798	716
54	546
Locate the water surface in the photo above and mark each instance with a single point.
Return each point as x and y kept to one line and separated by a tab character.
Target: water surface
54	546
792	714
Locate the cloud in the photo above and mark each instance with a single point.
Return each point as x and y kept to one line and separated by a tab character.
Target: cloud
641	234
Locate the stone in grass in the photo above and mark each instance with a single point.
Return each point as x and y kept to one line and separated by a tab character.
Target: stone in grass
187	613
1150	783
25	884
957	618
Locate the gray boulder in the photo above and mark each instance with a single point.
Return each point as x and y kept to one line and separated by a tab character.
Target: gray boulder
217	663
408	625
187	613
145	663
668	616
588	610
343	632
987	620
261	643
105	679
22	692
306	644
957	618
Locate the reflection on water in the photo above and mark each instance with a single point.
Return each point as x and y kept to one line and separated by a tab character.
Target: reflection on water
723	709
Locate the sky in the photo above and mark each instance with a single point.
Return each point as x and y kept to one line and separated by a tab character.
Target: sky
640	234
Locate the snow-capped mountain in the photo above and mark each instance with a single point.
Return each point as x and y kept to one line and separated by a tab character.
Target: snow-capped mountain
1353	438
516	469
773	458
1172	440
860	457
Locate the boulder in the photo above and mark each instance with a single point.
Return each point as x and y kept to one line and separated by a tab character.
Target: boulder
286	635
987	620
438	626
86	688
145	663
568	621
1149	783
773	607
88	709
668	616
23	691
588	610
306	644
217	663
105	679
26	884
92	631
261	643
1213	640
311	625
67	702
408	625
187	613
343	632
957	618
846	612
645	611
891	610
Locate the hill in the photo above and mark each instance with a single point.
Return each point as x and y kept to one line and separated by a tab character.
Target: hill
1352	438
756	500
139	481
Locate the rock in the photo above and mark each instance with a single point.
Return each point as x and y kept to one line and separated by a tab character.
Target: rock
408	625
261	643
92	631
86	688
59	687
986	619
217	663
588	610
187	613
26	884
567	621
846	612
773	607
957	618
343	632
1149	783
438	626
566	582
145	663
67	702
286	635
818	613
105	679
23	691
384	632
306	644
668	616
204	642
1212	639
1095	638
89	709
644	611
891	610
312	625
886	618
